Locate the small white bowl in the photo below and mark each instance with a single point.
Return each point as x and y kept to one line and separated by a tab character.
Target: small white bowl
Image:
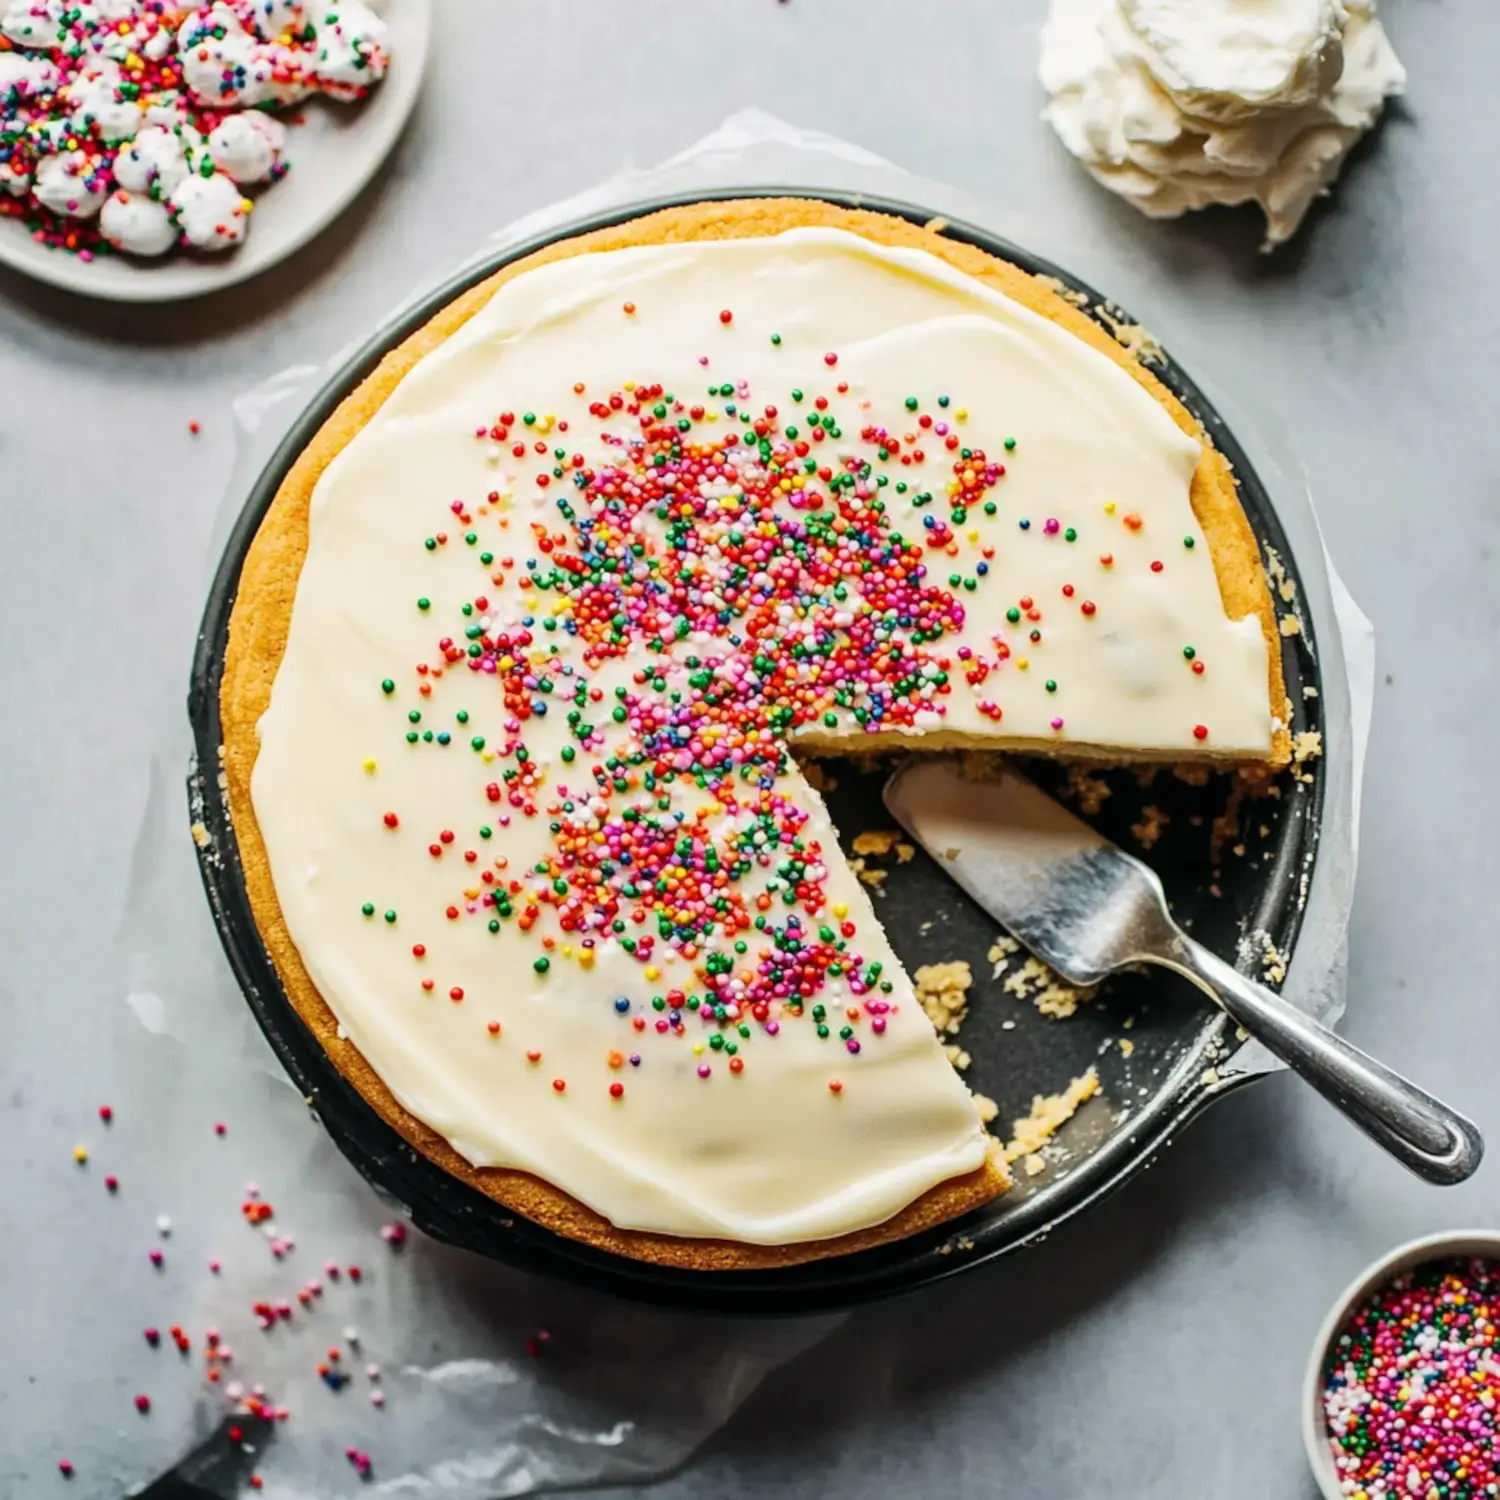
1454	1244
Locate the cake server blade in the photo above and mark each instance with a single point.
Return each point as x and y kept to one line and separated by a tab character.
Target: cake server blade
1086	908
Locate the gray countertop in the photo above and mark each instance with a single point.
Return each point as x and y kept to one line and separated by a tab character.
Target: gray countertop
1154	1347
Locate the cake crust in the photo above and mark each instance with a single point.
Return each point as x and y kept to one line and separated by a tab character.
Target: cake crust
262	614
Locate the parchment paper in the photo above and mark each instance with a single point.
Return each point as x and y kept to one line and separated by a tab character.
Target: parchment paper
492	1383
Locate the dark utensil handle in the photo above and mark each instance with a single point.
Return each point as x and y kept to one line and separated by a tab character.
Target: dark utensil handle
1423	1133
216	1466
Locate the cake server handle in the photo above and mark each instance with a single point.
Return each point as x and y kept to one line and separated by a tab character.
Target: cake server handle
1423	1133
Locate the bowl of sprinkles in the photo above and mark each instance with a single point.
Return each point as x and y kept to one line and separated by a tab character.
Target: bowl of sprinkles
1403	1387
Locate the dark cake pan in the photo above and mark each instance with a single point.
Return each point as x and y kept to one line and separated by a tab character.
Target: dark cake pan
1168	1072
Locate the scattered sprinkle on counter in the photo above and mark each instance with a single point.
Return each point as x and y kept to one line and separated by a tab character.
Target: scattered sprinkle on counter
1410	1387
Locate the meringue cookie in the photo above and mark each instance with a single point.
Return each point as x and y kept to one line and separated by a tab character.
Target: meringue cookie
1175	106
227	66
247	147
71	183
350	45
136	224
24	77
218	57
33	23
98	104
210	211
155	161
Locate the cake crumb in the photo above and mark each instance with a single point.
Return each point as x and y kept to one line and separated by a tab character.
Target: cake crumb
905	853
1052	995
1049	1113
1192	773
1035	1164
1286	590
1000	950
1227	825
1090	791
1126	1046
1291	625
1309	691
1273	962
201	836
942	991
819	779
986	1109
1061	288
1149	829
875	841
1134	338
957	1057
1307	745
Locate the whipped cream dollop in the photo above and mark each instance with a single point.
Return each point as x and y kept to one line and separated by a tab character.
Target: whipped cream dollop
1176	104
159	112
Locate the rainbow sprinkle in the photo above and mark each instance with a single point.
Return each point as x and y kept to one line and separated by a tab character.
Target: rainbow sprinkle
720	520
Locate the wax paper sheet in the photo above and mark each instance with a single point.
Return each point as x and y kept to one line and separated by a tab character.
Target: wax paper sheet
410	1368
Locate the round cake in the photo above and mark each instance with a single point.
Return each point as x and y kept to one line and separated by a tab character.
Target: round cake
532	645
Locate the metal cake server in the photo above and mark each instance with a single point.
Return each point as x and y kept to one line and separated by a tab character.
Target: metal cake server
1087	908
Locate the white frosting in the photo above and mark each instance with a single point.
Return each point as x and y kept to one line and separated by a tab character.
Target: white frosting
247	147
769	1154
15	180
137	224
1176	105
212	213
156	160
71	183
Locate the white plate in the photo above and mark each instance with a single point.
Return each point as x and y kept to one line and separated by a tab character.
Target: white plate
333	153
